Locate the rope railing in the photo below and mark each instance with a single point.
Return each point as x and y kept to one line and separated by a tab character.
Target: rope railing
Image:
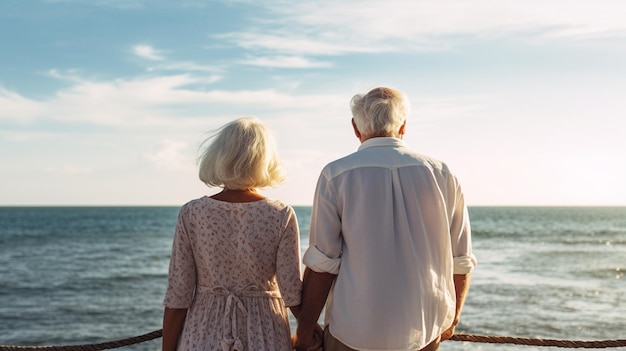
88	347
574	344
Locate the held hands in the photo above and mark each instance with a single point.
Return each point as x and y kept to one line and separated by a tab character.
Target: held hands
446	335
309	342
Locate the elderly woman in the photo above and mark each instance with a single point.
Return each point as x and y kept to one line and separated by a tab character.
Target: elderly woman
235	263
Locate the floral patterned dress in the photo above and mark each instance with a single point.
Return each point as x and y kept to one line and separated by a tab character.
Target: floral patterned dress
235	266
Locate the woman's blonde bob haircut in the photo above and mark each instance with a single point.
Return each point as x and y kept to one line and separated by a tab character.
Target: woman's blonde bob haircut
240	155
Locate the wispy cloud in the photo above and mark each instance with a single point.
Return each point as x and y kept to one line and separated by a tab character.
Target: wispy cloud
406	19
170	156
285	62
147	52
295	42
339	27
159	62
169	101
69	75
186	66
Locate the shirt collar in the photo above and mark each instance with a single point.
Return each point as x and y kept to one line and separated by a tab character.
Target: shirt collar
381	141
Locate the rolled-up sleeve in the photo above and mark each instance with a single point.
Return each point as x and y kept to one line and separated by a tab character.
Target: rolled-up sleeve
464	264
325	240
319	262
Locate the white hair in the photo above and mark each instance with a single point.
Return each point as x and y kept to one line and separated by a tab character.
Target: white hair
381	112
241	155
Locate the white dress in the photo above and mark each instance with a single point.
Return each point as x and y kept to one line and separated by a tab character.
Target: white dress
235	266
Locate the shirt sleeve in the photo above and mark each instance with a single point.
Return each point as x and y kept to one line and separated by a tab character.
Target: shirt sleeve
288	270
325	239
319	262
460	232
182	270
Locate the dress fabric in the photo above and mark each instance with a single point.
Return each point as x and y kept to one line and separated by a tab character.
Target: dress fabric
235	266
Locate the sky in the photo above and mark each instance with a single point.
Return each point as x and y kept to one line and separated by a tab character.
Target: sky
106	102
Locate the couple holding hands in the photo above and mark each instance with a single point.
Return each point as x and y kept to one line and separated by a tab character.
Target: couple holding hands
389	256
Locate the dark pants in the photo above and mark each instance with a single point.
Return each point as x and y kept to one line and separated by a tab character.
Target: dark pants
332	344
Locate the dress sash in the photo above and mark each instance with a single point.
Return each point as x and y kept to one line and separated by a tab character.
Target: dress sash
234	305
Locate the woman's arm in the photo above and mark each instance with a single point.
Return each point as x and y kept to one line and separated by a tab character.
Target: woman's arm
173	322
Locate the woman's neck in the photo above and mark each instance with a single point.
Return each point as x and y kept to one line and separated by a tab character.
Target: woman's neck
238	195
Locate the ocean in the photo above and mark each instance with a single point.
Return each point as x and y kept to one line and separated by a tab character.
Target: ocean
79	275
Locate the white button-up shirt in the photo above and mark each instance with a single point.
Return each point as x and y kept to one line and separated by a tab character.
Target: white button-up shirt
394	226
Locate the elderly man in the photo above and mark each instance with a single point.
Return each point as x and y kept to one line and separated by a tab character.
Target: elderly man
390	243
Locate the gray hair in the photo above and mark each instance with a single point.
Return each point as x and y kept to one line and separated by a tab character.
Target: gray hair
380	113
242	155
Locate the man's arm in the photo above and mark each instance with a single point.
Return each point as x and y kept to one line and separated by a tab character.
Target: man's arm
315	289
173	322
461	287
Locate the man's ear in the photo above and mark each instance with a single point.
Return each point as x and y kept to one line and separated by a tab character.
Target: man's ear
356	130
402	129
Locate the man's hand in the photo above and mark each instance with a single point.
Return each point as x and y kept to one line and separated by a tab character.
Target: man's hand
309	341
315	289
446	335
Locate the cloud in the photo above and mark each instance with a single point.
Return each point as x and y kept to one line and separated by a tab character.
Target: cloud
17	108
147	52
135	102
172	102
340	27
405	19
286	62
158	62
170	157
297	43
69	75
186	66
